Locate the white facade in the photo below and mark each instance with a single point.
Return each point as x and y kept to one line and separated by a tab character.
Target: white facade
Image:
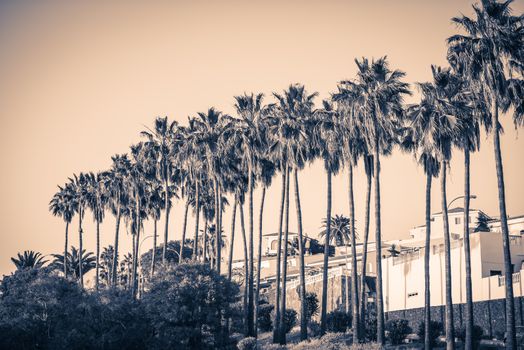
403	275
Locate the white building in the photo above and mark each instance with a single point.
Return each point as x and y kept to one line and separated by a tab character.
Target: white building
403	275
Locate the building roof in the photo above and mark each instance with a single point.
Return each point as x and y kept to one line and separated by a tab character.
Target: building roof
276	234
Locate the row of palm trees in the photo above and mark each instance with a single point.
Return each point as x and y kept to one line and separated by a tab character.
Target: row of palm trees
216	156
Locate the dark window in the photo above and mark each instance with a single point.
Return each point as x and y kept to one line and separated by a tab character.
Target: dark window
495	273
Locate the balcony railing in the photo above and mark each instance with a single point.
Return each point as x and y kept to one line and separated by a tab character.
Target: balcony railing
515	277
315	278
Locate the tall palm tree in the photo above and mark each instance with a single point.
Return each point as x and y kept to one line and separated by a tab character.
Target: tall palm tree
63	204
492	48
290	123
29	260
377	96
80	185
265	172
162	136
328	134
96	201
248	136
118	200
420	139
155	204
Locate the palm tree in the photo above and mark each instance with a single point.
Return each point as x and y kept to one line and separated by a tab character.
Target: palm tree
118	200
437	123
162	136
247	134
106	265
63	204
328	134
155	205
80	185
76	264
96	201
420	139
290	123
491	48
265	171
29	260
377	96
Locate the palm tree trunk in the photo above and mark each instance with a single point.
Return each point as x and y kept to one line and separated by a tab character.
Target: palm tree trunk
232	241
167	206
467	255
259	259
378	244
301	265
134	286
323	312
197	217
427	252
204	244
246	265
250	304
276	330
153	255
450	345
508	268
65	248
218	231
97	253
115	252
362	299
183	241
354	283
80	270
284	267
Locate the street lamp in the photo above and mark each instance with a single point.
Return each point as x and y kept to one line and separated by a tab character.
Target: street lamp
459	197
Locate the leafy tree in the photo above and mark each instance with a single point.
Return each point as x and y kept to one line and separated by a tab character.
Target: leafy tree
311	305
187	304
264	316
28	260
41	310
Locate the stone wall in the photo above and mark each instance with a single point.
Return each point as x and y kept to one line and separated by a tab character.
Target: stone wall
490	315
336	299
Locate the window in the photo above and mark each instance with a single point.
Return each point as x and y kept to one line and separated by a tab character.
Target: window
411	295
457	221
495	272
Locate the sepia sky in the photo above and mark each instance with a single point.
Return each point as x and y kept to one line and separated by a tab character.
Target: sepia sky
80	79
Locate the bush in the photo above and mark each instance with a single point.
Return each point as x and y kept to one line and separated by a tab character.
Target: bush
397	330
265	323
187	304
311	305
477	335
290	320
337	321
371	327
313	328
435	329
248	343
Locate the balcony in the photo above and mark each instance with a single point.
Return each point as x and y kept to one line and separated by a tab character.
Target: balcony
516	279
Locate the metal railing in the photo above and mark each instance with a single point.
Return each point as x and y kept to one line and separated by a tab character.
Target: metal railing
515	277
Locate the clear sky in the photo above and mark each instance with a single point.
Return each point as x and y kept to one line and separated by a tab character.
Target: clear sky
80	79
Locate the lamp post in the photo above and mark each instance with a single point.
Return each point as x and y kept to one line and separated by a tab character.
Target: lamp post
459	197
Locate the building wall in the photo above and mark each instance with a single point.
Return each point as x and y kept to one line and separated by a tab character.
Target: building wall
403	279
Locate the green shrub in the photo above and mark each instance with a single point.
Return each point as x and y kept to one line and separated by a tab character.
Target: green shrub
313	329
265	324
290	320
311	305
477	335
337	321
248	343
435	329
397	330
371	327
